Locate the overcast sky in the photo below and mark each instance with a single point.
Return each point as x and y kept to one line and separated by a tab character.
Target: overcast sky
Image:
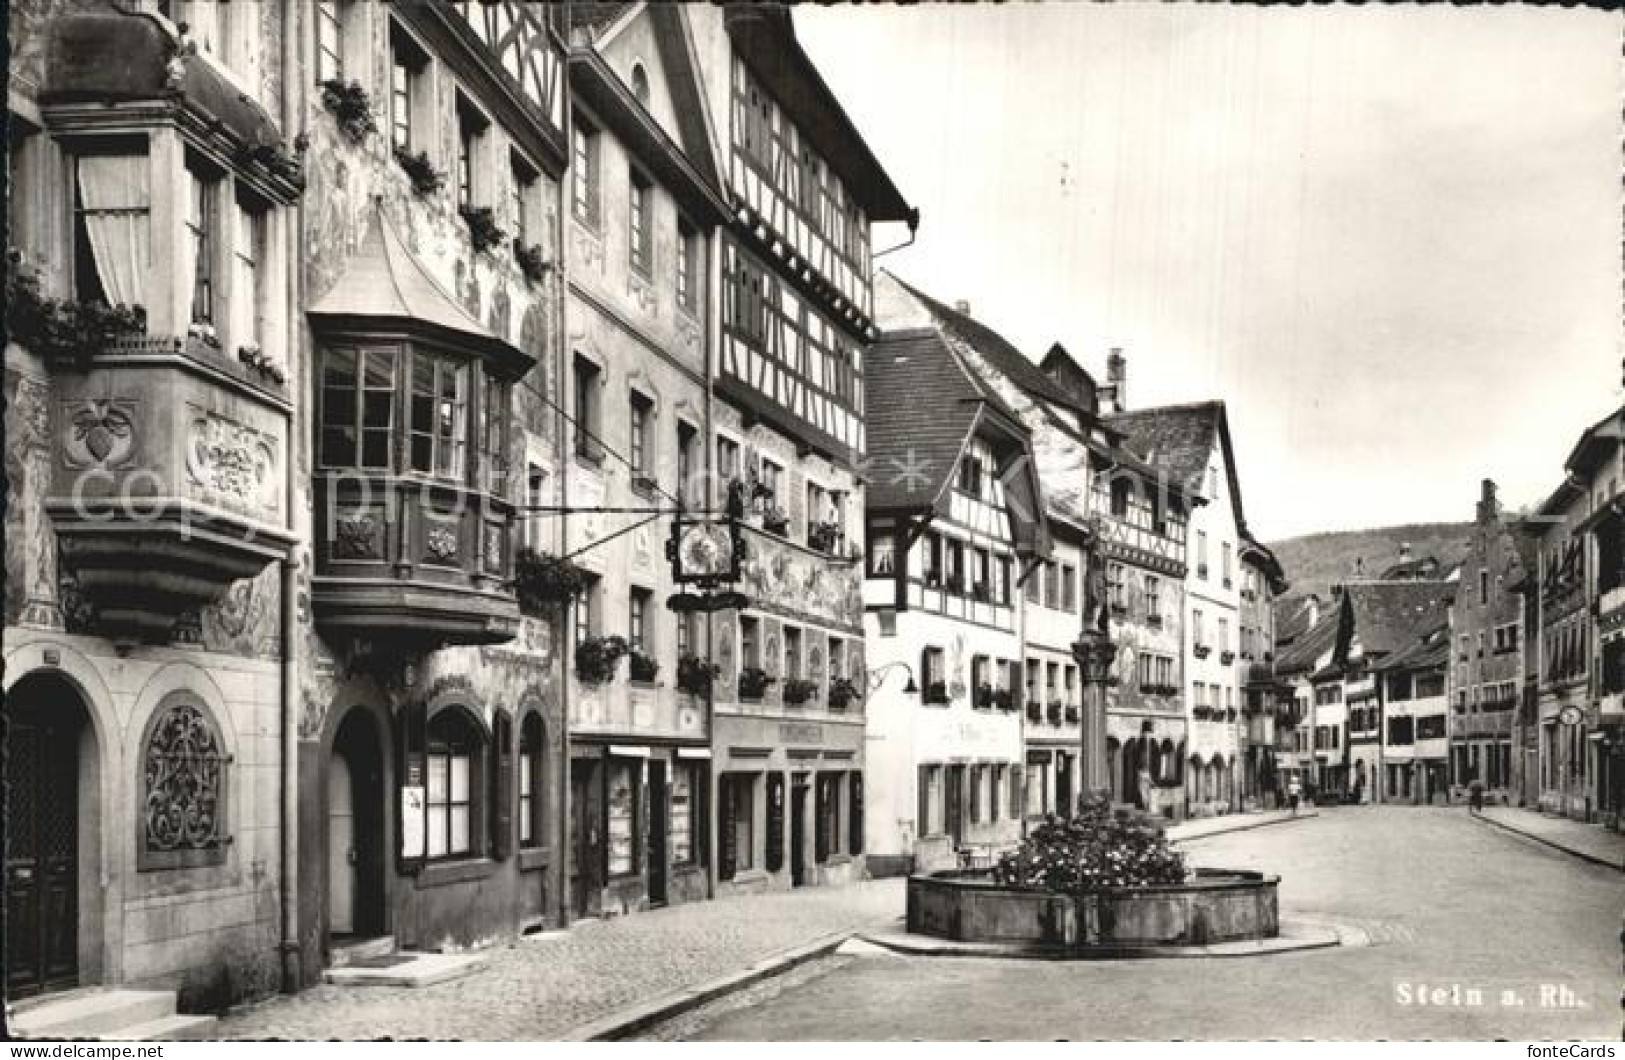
1388	237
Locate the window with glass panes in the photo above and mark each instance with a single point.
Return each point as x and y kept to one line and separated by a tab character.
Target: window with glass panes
640	194
584	172
439	415
622	826
247	249
586	407
406	67
453	747
471	126
639	412
494	435
688	253
200	226
586	608
688	487
329	41
358	407
683	802
530	781
522	190
638	621
792	652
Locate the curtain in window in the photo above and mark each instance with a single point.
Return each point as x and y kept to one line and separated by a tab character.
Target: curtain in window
113	189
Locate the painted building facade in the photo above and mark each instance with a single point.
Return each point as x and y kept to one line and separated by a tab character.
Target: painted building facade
644	206
1265	701
149	531
793	308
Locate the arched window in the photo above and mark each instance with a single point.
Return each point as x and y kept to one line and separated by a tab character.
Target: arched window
530	781
456	749
183	788
640	83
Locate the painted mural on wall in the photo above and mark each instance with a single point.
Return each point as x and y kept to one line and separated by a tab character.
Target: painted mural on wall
30	549
779	577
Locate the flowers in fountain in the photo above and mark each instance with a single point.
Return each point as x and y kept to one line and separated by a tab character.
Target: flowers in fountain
1098	849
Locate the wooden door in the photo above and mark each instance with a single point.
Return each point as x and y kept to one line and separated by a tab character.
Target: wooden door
341	850
586	836
798	833
659	817
42	848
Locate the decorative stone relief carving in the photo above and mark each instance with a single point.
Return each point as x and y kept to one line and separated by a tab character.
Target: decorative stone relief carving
98	433
440	542
233	465
356	536
184	770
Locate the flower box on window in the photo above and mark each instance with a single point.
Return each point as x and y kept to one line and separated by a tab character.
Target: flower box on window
1005	700
426	180
482	227
776	522
544	582
753	682
984	696
981	591
799	690
1202	651
955	583
1072	715
842	693
824	537
63	329
350	106
532	260
936	693
1154	621
643	668
1227	657
1054	712
597	658
695	675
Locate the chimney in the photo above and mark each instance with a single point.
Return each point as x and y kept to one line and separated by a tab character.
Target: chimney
962	306
1488	508
1117	379
1404	552
1359	567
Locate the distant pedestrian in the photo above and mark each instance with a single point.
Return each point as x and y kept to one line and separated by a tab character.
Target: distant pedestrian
1293	794
1475	795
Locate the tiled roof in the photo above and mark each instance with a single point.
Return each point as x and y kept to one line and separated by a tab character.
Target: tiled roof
1300	656
1425	654
1292	618
922	405
1004	357
1178	439
1389	616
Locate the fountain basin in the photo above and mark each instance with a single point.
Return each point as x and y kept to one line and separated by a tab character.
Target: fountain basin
1215	906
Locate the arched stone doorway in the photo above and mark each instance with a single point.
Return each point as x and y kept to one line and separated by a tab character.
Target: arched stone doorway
53	841
356	857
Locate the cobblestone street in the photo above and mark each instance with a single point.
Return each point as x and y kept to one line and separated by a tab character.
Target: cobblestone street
544	987
1445	900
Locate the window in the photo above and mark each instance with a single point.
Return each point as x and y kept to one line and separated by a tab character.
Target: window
1052	680
683	813
639	196
933	671
688	265
329	41
1198	631
727	458
586	409
640	84
587	609
358	408
837	658
1483	586
493	437
1001	584
750	642
980	677
688	486
524	209
931	559
201	230
637	629
1052	585
248	249
621	824
792	652
827	817
1201	554
584	172
1070	677
471	128
882	553
1069	588
983	574
1153	598
1224	633
970	475
531	827
533	521
1122	495
955	573
453	749
737	818
439	410
183	788
407	84
1224	556
640	411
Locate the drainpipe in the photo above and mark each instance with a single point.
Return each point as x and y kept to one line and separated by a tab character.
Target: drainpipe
288	881
561	439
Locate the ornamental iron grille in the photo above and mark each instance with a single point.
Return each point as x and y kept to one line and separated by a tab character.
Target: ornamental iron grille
183	790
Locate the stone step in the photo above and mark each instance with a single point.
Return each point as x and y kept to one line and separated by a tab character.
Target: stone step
177	1028
349	952
92	1013
405	969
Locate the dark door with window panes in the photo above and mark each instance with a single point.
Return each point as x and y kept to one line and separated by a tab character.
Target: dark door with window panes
953	801
798	832
658	817
42	846
586	835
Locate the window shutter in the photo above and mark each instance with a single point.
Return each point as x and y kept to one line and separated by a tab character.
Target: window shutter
855	825
922	810
728	839
821	835
502	789
775	822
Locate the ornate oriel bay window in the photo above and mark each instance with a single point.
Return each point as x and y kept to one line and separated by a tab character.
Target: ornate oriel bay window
414	510
172	439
